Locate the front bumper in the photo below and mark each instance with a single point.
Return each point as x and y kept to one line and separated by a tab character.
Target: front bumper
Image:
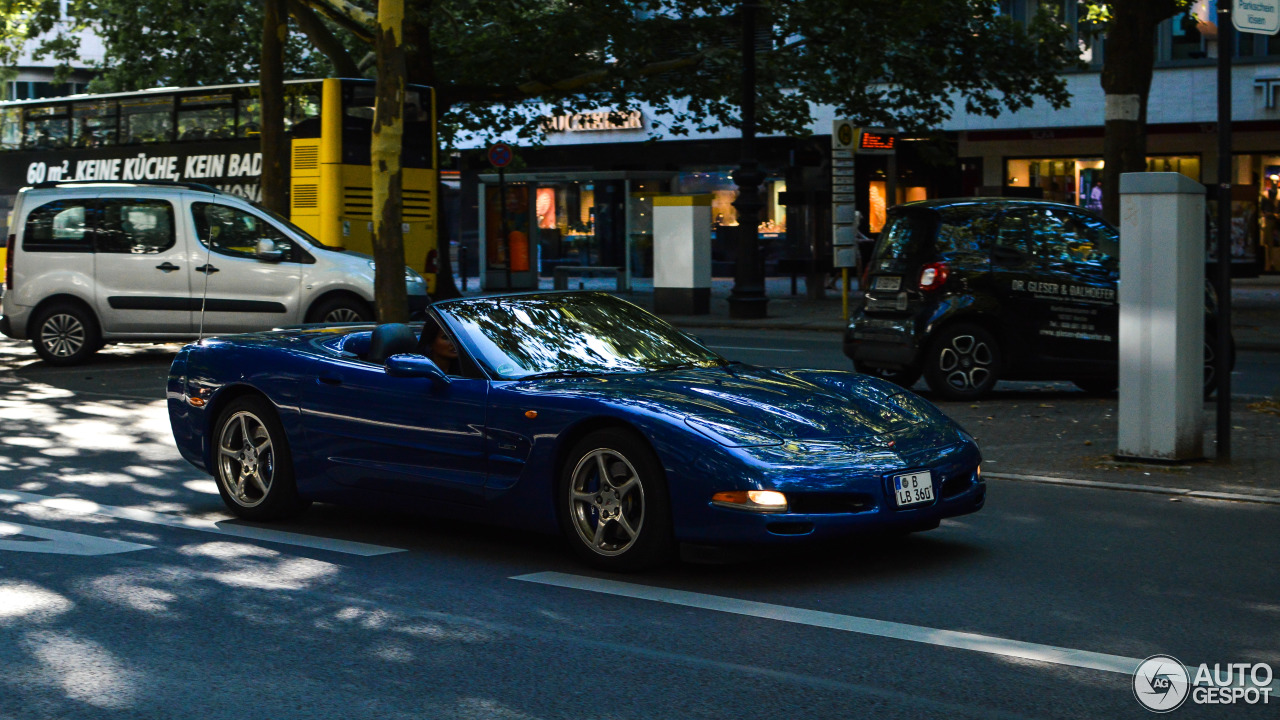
822	510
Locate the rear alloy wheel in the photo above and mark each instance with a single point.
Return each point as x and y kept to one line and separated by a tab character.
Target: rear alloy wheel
344	310
613	499
963	362
252	463
66	334
904	377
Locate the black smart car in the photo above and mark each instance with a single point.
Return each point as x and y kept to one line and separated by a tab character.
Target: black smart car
971	291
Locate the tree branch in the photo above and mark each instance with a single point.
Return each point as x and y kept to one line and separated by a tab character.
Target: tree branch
350	17
324	40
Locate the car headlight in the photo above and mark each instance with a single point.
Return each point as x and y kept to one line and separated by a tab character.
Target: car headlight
756	500
731	431
410	276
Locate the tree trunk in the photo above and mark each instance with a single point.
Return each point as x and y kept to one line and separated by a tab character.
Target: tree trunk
1126	79
417	38
387	142
275	148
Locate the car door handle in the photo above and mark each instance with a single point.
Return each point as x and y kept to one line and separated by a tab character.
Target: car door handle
167	267
207	269
330	380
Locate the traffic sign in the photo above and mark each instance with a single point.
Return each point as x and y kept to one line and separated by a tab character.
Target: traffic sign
500	155
1261	17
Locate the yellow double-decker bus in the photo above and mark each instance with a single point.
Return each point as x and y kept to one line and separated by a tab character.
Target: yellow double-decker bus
211	135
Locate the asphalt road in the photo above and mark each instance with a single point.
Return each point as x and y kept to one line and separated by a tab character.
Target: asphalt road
126	591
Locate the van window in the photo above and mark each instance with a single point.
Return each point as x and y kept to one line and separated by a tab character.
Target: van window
135	226
231	231
58	227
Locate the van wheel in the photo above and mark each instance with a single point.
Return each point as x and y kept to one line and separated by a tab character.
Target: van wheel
340	309
963	362
66	334
904	377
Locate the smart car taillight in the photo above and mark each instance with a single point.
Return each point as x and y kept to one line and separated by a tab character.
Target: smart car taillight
8	262
933	276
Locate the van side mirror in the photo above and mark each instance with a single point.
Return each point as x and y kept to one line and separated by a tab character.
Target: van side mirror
268	251
408	365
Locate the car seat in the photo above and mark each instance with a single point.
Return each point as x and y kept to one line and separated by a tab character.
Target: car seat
391	339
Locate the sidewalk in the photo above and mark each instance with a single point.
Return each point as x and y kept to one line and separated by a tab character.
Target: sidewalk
1255	307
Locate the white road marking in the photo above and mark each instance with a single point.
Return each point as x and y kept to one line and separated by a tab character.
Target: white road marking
1132	487
757	349
88	507
59	542
847	623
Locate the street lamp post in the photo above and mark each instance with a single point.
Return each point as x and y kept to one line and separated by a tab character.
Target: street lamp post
748	300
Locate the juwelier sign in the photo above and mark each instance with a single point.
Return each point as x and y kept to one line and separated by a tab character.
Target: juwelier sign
596	121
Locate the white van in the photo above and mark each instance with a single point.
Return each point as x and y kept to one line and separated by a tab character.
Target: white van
96	263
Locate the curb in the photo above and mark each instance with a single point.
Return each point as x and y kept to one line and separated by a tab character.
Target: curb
1128	487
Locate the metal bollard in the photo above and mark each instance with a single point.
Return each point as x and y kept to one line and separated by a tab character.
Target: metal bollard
462	265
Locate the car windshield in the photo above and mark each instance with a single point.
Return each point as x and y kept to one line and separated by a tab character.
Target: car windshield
569	334
903	238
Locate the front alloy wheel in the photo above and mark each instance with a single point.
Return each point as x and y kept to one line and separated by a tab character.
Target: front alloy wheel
614	505
246	459
252	462
607	502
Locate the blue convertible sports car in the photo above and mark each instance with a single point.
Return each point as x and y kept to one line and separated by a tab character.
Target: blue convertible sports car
576	413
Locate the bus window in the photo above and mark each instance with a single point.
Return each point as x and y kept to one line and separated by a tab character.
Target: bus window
205	117
302	114
418	139
47	128
249	117
10	128
93	124
146	120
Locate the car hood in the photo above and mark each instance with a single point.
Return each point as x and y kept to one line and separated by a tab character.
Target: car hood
794	405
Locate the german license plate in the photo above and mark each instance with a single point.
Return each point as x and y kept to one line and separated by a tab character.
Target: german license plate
913	488
887	282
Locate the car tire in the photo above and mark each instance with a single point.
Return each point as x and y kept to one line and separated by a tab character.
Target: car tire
614	507
255	479
66	334
963	362
904	377
1101	386
340	309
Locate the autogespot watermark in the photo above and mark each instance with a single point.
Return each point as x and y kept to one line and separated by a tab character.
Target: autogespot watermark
1162	684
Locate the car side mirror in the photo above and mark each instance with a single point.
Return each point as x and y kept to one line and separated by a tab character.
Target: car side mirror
267	250
408	365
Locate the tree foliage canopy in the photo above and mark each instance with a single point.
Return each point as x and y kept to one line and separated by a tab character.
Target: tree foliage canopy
500	65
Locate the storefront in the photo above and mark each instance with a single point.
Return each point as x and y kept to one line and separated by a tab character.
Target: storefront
588	218
1065	165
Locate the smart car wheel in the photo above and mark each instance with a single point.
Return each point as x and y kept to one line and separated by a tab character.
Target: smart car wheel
904	377
963	362
340	310
252	463
613	499
66	334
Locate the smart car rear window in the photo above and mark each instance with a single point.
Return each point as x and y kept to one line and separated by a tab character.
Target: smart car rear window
59	226
905	236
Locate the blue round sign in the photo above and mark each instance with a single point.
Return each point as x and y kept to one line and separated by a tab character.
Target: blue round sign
500	155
